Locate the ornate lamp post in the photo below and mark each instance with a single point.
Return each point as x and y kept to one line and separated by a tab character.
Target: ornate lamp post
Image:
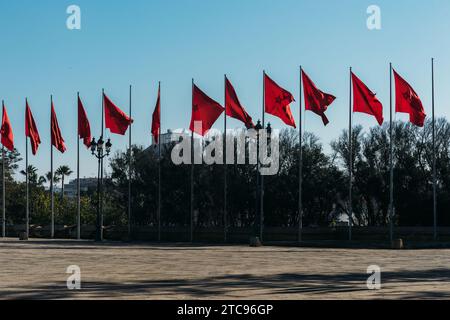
260	184
100	150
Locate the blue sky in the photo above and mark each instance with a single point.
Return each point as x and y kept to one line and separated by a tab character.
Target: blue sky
141	42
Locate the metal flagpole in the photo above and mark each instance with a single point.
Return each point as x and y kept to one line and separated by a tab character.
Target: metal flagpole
27	211
3	189
129	174
300	165
101	167
435	233
192	176
225	168
391	161
52	200
3	194
261	225
350	168
159	165
78	177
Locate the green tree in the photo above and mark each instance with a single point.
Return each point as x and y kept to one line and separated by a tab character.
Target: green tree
32	174
56	178
12	158
62	172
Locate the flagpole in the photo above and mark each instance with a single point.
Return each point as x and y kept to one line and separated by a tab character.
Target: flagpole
129	174
52	200
391	161
3	188
78	176
300	165
261	225
159	165
27	211
3	194
192	175
225	168
435	233
101	168
350	169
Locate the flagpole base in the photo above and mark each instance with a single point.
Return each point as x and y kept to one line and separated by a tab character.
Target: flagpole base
255	242
397	244
23	236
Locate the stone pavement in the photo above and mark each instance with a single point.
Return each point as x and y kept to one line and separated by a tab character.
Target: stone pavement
37	270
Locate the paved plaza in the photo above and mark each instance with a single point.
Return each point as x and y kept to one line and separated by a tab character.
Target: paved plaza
37	270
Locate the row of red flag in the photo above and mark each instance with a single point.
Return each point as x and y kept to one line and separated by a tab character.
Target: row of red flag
277	102
115	120
206	110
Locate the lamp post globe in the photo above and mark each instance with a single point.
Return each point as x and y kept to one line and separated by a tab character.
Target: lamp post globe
97	150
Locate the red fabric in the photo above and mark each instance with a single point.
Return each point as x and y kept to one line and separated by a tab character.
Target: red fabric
31	130
234	108
277	101
6	131
315	100
57	139
156	119
115	119
407	101
365	101
84	128
204	109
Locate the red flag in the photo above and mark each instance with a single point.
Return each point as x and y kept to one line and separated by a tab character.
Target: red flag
315	100
115	119
365	101
204	109
407	101
84	128
233	106
156	119
6	131
57	139
277	101
31	130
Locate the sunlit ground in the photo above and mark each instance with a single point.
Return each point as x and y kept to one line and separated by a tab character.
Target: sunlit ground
37	270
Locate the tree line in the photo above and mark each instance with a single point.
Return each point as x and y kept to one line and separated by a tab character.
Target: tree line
325	184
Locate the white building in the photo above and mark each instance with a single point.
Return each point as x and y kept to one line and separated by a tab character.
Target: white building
70	189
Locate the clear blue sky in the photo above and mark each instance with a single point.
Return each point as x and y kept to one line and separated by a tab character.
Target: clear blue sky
140	42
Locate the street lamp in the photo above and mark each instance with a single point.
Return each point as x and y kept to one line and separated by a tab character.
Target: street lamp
100	150
259	185
269	130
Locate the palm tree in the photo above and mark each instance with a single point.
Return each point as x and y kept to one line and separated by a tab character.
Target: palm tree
48	177
62	172
41	181
32	174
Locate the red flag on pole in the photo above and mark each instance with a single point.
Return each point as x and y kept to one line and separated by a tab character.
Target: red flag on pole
57	139
316	100
84	128
234	108
115	119
204	110
31	130
365	101
407	101
6	131
277	101
156	118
